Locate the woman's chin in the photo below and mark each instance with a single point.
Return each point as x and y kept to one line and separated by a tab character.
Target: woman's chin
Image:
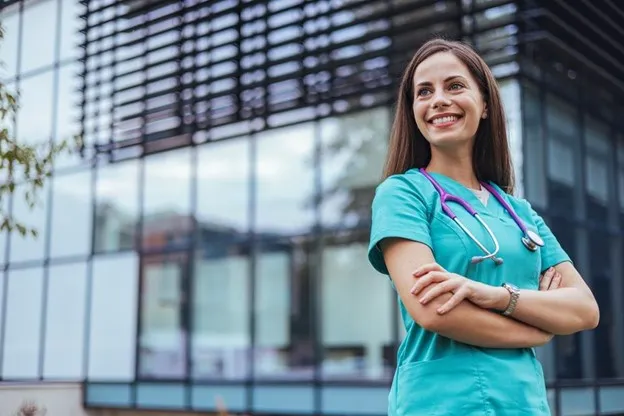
448	141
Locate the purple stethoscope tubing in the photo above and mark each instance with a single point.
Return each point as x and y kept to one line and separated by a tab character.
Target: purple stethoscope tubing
530	239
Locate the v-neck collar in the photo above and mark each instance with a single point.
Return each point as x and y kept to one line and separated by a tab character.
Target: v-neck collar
460	190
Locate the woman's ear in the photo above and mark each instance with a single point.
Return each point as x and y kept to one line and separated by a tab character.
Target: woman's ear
485	112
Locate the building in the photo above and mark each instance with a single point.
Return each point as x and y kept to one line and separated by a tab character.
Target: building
210	239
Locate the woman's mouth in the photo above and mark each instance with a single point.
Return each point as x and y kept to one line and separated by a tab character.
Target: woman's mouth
444	121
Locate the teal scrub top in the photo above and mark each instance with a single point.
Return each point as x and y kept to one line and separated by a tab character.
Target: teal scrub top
437	375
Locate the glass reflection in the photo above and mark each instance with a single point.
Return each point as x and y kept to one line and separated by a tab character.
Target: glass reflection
164	330
65	321
68	112
38	35
563	154
4	235
535	172
9	19
568	352
20	353
361	348
116	206
620	176
71	215
284	176
600	267
113	317
283	309
70	27
597	177
167	223
220	294
25	248
34	118
353	152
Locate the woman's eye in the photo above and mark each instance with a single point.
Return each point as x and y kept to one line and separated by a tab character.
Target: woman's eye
422	92
456	86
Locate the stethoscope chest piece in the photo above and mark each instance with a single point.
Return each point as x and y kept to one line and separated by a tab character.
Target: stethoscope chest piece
532	240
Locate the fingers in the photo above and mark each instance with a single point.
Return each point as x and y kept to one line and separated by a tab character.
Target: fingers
546	279
426	268
439	289
453	301
555	282
427	279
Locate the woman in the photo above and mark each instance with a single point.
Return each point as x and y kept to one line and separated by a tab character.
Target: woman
473	305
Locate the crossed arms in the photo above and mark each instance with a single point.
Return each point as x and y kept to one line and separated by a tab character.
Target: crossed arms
538	316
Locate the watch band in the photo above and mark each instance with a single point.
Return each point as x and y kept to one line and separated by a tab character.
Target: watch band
515	294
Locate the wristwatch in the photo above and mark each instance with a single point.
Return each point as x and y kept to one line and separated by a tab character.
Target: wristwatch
515	294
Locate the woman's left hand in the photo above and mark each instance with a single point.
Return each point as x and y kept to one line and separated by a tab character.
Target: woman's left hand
441	282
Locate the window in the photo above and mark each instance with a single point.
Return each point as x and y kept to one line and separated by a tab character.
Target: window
353	153
116	206
4	235
283	303
164	329
357	335
167	201
68	113
71	227
221	299
113	317
568	353
22	342
29	248
10	42
39	35
65	322
534	168
35	115
70	26
597	169
563	154
284	292
284	178
510	95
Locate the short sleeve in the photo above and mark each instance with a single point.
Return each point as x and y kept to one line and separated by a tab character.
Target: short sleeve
398	210
552	253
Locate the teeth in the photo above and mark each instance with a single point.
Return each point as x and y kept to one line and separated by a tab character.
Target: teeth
446	119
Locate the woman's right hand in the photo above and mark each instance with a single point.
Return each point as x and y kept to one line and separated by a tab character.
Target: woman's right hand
550	280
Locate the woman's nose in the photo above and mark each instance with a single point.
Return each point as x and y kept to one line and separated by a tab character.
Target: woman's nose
440	99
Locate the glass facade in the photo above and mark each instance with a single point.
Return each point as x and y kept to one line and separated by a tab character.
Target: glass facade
210	241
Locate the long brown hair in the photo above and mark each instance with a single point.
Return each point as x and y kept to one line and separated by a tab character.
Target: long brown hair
408	148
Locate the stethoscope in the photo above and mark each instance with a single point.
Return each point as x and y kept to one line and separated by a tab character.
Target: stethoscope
530	239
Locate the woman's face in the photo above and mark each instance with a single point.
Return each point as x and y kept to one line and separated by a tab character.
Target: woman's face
448	105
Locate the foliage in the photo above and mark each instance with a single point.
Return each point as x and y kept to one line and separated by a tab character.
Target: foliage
24	167
30	409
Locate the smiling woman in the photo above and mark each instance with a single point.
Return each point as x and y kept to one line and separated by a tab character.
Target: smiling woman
462	264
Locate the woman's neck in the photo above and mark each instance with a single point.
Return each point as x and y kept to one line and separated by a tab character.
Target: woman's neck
457	167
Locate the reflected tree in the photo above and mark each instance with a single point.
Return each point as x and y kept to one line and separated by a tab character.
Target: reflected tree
353	152
24	164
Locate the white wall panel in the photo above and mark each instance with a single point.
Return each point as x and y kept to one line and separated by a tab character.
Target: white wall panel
20	358
65	322
112	333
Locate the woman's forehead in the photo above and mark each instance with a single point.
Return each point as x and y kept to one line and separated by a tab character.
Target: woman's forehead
440	66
